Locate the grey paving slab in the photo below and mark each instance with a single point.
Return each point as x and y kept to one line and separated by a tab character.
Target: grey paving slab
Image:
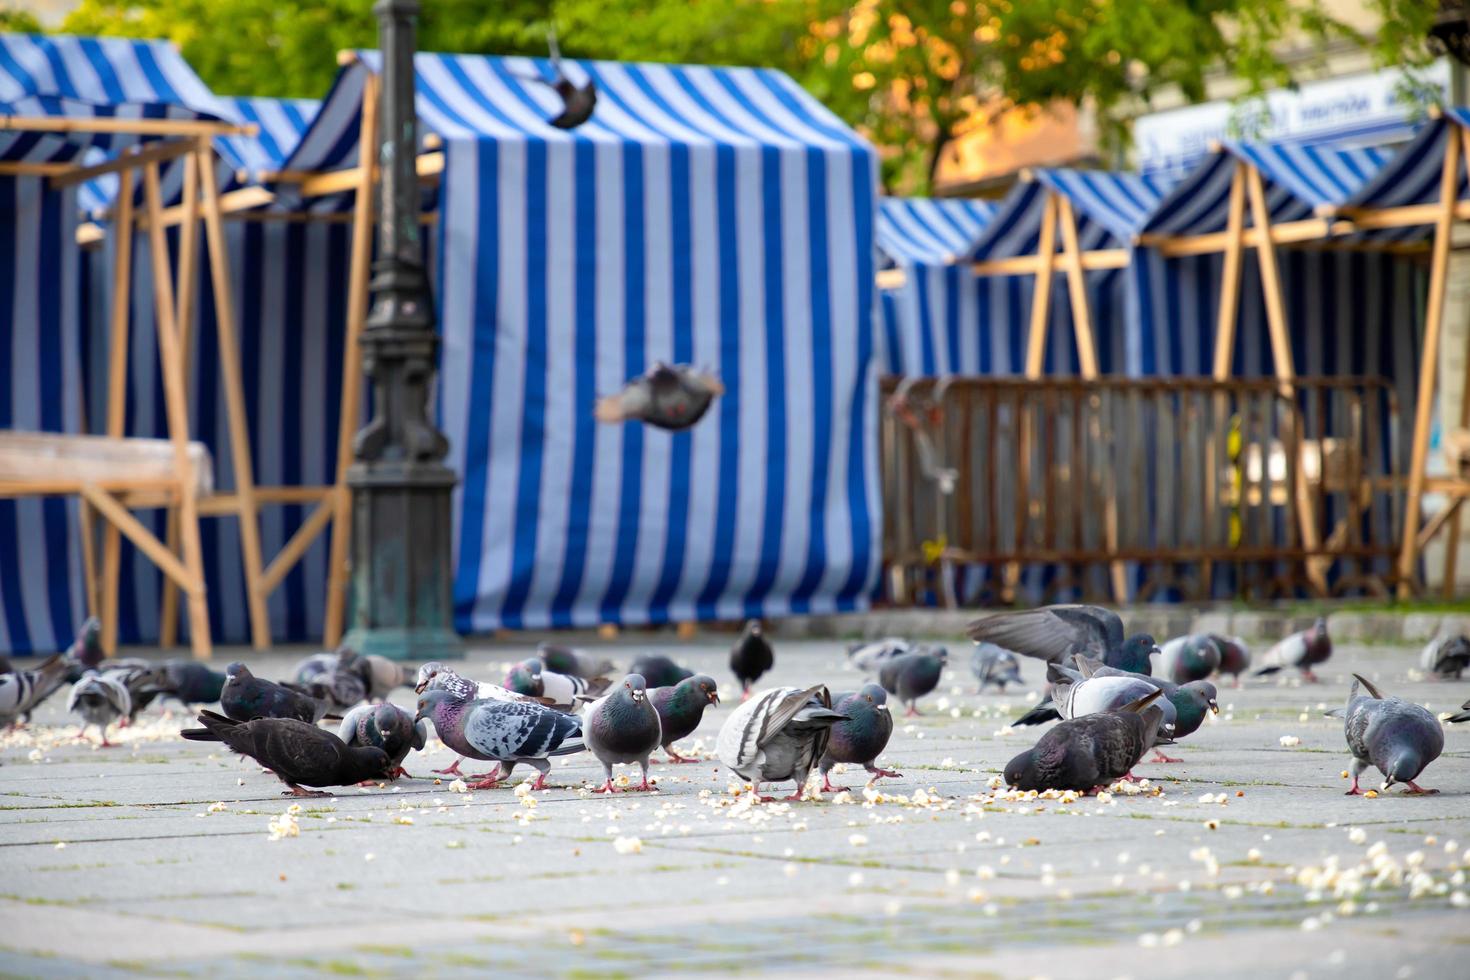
168	867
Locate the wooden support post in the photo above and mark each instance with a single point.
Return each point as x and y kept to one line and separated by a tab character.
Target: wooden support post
357	307
229	356
177	409
1452	543
117	393
1225	329
1285	369
1429	366
186	289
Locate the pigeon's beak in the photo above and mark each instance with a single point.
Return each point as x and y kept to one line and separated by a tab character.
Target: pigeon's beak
1215	707
714	697
1157	651
419	688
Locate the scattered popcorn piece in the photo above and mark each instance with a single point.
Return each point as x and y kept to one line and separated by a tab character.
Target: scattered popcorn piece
628	845
1290	742
857	840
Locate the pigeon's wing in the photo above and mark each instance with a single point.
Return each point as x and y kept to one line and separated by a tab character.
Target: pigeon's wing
739	742
300	750
510	730
703	381
347	731
634	401
782	711
1360	717
1053	632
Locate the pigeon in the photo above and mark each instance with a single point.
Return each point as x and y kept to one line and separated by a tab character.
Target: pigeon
386	726
680	709
659	671
1446	657
383	676
1185	704
750	657
870	657
86	651
1300	650
578	663
246	697
994	665
1053	633
623	727
1463	715
1189	658
187	681
577	101
913	675
434	676
666	397
100	699
561	691
21	691
1235	656
340	679
298	752
142	680
1397	737
862	737
778	734
505	732
1089	752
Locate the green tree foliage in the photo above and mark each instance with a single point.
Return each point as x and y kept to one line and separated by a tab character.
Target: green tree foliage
18	21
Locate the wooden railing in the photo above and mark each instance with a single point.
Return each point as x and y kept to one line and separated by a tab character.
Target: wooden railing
1121	489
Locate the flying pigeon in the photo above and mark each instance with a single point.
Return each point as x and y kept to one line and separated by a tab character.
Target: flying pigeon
680	709
383	676
1300	650
578	101
1397	737
1189	658
387	727
1085	753
1446	656
86	651
299	753
659	671
100	699
21	691
187	681
862	737
341	679
666	397
561	691
994	665
777	735
1235	656
623	727
750	657
246	697
870	657
913	675
1054	633
506	732
578	663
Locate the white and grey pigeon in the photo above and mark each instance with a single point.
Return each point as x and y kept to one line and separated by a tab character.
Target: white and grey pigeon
1074	695
870	657
1300	650
1446	656
22	690
777	735
505	732
1397	737
623	727
564	692
100	699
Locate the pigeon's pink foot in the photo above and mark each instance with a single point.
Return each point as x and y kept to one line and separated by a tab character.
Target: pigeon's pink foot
108	745
490	781
368	782
1417	790
402	773
1309	677
827	786
745	695
675	758
451	771
1354	791
1130	778
912	712
540	782
793	798
880	773
607	787
1161	757
646	786
298	791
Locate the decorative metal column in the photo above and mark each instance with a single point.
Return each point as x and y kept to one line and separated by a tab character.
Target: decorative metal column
401	580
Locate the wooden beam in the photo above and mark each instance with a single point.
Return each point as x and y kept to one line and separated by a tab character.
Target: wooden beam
118	517
1402	217
891	278
117	393
1452	542
90	234
1025	265
237	200
312	184
1230	281
143	154
359	272
21	168
116	124
1288	233
1041	294
289	555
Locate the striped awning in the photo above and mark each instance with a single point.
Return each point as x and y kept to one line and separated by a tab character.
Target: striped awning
1110	209
930	231
281	123
1412	175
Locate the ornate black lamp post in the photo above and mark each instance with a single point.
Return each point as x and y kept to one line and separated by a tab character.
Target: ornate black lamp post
401	579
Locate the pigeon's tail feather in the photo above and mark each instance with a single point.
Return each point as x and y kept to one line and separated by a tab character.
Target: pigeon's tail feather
216	726
1335	713
1372	690
1456	719
1043	712
1137	707
1266	670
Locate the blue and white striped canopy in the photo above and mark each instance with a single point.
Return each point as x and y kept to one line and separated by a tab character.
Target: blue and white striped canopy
707	215
1412	175
280	123
930	231
1110	209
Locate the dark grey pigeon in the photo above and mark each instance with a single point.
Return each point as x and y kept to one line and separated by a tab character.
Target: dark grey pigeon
505	732
680	709
1090	752
1300	650
387	727
341	679
188	682
862	737
1446	656
913	675
750	657
1055	633
659	671
578	663
1397	737
622	727
299	753
1186	707
1235	656
21	691
246	697
777	735
577	101
1189	658
870	657
100	699
672	397
994	665
86	652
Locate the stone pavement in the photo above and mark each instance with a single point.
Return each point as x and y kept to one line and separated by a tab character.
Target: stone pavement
157	859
